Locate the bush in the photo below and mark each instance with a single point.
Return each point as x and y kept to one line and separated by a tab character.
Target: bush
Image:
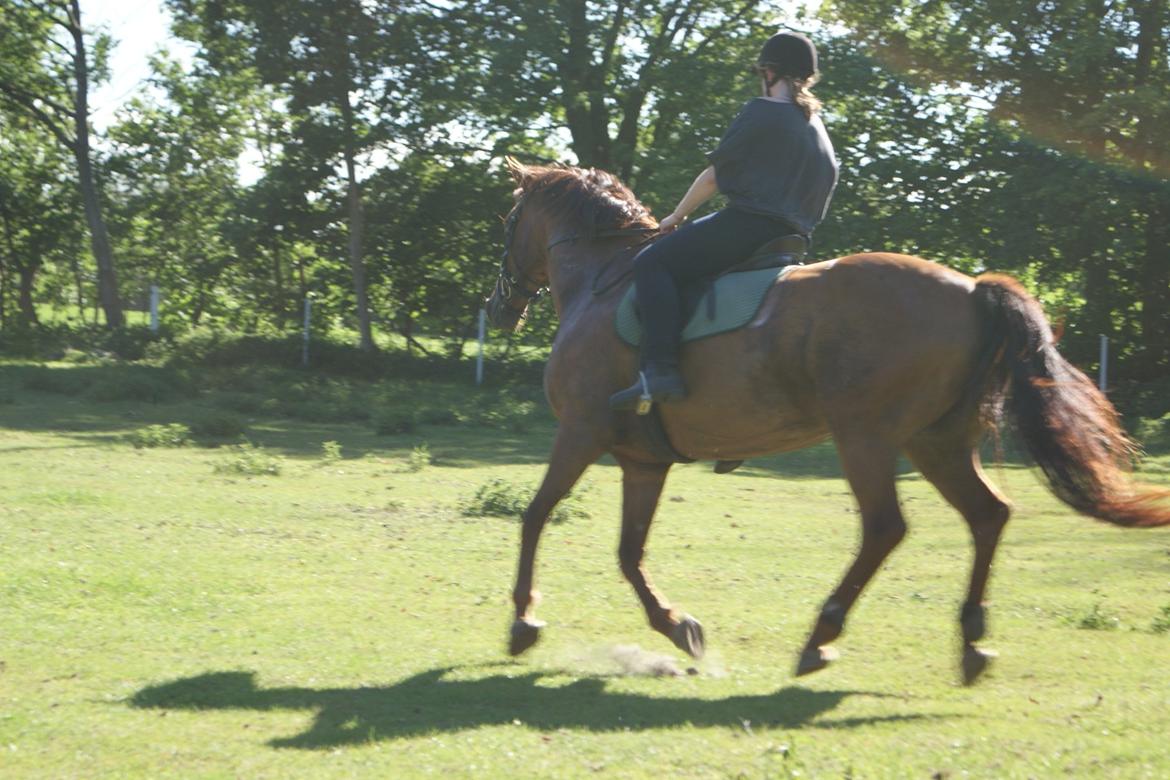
238	402
1096	620
172	435
390	423
501	498
420	458
497	498
330	451
62	381
1154	435
439	416
135	384
249	459
1161	624
218	425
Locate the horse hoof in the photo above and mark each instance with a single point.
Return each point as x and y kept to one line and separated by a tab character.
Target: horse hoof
524	635
975	662
687	636
815	659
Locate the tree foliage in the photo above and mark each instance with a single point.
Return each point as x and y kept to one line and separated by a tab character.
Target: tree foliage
350	150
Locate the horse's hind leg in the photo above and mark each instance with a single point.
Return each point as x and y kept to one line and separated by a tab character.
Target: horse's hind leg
869	466
952	466
641	488
573	451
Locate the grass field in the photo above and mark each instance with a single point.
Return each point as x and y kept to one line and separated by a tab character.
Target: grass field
164	613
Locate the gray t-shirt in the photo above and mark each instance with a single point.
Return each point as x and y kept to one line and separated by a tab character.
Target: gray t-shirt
774	161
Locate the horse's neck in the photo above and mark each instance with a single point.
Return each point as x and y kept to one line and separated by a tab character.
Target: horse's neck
573	271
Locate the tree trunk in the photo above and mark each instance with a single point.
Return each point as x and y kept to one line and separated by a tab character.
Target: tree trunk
28	310
1155	287
99	238
357	264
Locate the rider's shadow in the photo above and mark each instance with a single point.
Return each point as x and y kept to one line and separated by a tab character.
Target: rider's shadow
427	703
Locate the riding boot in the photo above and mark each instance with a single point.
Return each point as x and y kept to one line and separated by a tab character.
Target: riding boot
657	381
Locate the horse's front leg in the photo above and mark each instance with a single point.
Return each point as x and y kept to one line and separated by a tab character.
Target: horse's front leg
641	488
573	451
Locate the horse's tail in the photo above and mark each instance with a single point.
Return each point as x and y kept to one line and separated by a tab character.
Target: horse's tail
1068	425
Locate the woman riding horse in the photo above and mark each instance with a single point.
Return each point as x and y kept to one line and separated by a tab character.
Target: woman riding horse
776	167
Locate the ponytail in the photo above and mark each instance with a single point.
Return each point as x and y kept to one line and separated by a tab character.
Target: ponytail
801	89
803	96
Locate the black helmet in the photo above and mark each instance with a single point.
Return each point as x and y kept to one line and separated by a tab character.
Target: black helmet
789	54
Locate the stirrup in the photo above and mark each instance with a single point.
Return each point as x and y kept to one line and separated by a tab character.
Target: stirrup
645	401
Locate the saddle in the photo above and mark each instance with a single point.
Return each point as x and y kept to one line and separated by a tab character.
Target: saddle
712	306
725	302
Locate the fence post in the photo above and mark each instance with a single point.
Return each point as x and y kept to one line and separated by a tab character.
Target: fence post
154	308
1103	375
479	357
308	315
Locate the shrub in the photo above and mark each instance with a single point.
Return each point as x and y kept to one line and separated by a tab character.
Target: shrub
249	459
1154	434
172	435
238	402
218	425
439	416
1096	620
500	498
392	422
330	451
135	384
497	498
63	381
420	458
1161	624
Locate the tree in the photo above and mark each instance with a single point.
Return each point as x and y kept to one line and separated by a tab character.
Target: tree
330	61
38	212
175	161
1074	161
45	71
618	76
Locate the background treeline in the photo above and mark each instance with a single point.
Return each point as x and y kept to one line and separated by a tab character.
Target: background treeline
351	150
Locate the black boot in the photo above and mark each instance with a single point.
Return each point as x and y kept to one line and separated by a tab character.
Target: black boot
657	381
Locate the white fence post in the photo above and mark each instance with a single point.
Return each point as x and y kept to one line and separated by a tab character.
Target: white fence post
479	357
154	308
308	314
1103	375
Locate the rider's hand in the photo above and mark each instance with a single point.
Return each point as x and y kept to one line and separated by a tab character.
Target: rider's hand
670	222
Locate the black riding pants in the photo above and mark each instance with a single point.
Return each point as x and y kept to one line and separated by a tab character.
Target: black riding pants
698	249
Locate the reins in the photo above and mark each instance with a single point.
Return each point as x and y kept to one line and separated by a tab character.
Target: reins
651	234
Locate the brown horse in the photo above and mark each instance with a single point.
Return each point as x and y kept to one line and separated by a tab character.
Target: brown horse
884	353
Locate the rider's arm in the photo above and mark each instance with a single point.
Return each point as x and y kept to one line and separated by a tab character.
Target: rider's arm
702	189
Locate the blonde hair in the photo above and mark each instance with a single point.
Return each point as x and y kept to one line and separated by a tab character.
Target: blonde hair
801	89
802	93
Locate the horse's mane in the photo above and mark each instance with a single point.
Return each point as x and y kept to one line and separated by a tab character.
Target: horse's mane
591	199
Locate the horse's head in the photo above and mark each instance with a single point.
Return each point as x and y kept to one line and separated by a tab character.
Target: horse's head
556	206
523	275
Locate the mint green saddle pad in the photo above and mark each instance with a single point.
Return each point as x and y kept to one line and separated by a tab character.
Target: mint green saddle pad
737	299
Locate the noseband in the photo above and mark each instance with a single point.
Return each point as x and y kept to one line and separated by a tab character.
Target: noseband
507	285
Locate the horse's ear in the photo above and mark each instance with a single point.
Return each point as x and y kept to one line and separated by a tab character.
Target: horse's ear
517	170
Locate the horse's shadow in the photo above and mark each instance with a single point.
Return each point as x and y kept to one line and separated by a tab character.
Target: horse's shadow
427	703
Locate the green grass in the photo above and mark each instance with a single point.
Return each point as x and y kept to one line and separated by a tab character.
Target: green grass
346	618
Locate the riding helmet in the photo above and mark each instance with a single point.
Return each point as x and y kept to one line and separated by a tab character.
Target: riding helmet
789	54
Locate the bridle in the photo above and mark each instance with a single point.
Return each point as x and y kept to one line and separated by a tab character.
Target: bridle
507	285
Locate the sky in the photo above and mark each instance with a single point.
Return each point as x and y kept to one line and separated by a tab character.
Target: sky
139	28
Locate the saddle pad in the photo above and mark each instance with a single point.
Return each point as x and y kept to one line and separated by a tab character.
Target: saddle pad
737	299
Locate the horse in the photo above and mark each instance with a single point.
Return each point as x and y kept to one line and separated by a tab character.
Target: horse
884	353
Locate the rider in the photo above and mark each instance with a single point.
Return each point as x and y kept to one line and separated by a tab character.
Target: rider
776	167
